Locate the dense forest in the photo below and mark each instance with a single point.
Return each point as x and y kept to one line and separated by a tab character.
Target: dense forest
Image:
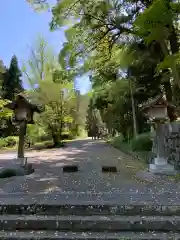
131	50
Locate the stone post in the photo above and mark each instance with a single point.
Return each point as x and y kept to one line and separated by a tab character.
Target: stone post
22	133
160	164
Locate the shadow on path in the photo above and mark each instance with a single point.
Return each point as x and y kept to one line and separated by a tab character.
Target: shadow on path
89	156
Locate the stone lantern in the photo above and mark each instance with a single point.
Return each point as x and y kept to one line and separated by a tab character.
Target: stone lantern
23	114
156	111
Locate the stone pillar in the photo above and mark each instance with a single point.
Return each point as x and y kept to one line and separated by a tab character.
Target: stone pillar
22	133
160	164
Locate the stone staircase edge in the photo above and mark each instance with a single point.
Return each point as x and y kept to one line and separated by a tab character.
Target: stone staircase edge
26	235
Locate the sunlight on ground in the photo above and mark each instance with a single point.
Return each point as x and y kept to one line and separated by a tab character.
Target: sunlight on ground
89	156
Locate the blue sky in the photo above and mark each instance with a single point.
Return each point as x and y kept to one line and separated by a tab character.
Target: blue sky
20	25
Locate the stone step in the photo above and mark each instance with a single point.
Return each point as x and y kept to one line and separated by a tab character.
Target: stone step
90	223
162	196
50	235
86	209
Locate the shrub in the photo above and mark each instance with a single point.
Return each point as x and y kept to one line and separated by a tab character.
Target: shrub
6	173
3	143
120	143
117	141
11	141
142	143
45	138
66	136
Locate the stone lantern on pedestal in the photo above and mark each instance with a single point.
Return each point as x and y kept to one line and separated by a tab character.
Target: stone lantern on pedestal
23	114
156	110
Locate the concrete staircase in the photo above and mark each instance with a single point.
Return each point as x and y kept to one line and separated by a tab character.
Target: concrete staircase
39	218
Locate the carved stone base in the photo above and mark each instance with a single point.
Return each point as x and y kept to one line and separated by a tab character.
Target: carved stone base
162	169
160	161
161	166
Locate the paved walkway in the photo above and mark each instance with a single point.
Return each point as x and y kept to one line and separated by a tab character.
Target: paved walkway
89	156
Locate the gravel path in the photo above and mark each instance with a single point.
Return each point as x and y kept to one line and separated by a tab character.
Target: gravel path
89	156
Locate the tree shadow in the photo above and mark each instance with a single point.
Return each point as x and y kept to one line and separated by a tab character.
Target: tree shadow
88	155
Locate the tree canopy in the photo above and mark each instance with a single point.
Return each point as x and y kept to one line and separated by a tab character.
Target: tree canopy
131	49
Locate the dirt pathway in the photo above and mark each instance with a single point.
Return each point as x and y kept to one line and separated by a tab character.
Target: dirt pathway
90	156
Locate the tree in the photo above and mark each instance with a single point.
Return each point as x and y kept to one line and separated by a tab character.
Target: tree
2	67
93	120
118	41
48	80
6	127
58	109
3	71
156	23
42	65
12	83
116	23
39	4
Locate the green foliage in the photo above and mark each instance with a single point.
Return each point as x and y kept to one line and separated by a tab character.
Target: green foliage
60	104
118	141
130	48
143	142
105	35
11	141
8	88
156	23
136	147
102	40
4	112
34	134
39	5
67	136
167	62
53	88
41	63
3	143
12	83
152	23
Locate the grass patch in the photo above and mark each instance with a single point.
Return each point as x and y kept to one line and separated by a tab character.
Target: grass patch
9	143
175	178
141	143
131	162
48	145
139	148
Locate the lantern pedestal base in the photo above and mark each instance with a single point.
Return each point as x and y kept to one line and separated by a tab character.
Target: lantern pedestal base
161	166
21	161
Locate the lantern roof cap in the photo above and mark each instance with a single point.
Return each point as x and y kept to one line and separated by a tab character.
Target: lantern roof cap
24	97
159	100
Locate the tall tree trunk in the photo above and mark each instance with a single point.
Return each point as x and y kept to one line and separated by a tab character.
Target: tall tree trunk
133	109
169	96
173	67
173	38
61	129
174	47
55	139
54	135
